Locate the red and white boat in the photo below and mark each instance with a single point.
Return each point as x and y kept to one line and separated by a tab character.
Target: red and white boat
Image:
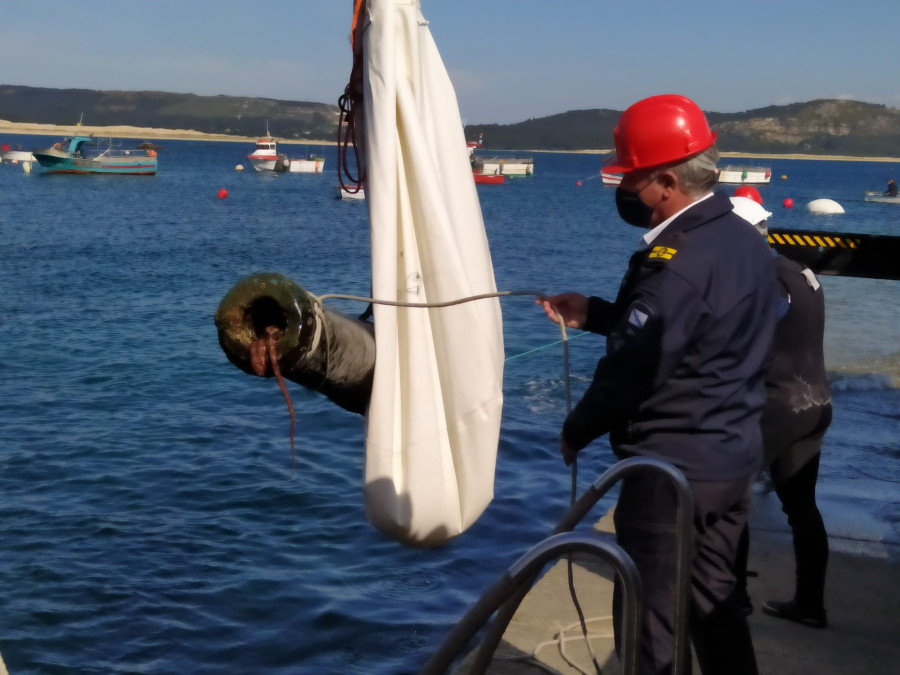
472	146
489	178
264	157
610	178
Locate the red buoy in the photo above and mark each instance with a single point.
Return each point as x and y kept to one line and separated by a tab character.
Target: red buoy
578	182
788	203
223	193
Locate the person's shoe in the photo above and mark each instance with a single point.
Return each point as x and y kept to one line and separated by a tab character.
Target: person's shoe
791	612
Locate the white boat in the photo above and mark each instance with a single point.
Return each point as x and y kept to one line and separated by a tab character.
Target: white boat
881	197
472	146
312	163
16	156
503	166
745	174
343	193
610	178
264	157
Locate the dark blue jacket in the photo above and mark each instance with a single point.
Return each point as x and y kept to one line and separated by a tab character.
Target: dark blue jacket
689	339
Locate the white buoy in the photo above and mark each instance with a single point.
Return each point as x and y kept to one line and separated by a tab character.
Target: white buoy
26	167
239	167
824	206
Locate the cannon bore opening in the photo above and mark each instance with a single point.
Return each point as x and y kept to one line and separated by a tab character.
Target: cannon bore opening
263	313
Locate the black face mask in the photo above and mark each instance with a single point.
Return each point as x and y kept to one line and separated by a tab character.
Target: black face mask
631	209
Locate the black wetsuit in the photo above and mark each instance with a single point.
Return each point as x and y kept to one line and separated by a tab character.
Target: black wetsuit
689	337
892	189
796	416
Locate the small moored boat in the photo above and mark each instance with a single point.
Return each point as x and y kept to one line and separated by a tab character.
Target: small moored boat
489	178
84	154
881	197
7	154
503	165
344	193
610	178
265	155
745	174
312	163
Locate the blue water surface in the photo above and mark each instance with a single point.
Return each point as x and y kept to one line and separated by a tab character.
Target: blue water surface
149	518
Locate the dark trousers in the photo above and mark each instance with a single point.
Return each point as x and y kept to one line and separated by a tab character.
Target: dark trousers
797	493
645	528
796	489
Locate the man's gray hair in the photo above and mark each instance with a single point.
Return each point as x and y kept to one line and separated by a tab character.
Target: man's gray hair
698	175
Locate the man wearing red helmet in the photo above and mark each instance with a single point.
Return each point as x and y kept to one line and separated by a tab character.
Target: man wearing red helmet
688	340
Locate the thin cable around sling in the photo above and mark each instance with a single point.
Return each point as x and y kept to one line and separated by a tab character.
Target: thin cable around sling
571	572
562	326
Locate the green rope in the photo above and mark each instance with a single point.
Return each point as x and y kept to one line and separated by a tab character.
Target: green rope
537	349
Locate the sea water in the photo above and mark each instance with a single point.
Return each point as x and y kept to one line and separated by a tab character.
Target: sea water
149	518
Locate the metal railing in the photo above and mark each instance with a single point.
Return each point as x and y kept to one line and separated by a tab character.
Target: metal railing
505	596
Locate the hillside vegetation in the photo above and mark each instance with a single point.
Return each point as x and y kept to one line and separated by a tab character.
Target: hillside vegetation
826	127
234	115
821	127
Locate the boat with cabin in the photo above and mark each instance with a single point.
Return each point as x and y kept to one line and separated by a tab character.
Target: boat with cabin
739	174
265	154
85	154
472	146
265	157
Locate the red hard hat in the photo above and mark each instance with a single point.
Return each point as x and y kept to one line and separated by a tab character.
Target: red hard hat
749	191
659	130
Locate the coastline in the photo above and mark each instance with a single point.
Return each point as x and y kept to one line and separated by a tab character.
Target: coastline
144	133
191	135
748	155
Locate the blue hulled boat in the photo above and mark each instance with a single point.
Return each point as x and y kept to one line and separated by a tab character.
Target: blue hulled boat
76	157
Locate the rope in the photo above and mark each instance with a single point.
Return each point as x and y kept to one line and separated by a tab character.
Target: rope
549	344
349	103
574	493
318	300
565	342
424	305
559	641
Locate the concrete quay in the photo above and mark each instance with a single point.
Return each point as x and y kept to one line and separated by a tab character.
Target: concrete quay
862	600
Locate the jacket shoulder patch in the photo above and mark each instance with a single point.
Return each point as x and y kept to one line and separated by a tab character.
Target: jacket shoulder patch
662	253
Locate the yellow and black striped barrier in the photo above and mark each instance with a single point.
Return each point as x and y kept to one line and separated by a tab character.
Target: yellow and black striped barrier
875	256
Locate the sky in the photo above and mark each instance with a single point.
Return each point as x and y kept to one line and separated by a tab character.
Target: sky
509	60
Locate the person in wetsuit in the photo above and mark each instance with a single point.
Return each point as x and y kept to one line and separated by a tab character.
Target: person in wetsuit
891	188
795	419
688	341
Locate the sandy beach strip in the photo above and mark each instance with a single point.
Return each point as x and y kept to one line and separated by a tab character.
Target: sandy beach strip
143	133
191	135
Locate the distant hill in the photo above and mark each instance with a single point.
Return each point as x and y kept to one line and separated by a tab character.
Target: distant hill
237	115
826	127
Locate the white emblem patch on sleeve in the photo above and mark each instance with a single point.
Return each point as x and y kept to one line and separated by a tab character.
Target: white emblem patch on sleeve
637	318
